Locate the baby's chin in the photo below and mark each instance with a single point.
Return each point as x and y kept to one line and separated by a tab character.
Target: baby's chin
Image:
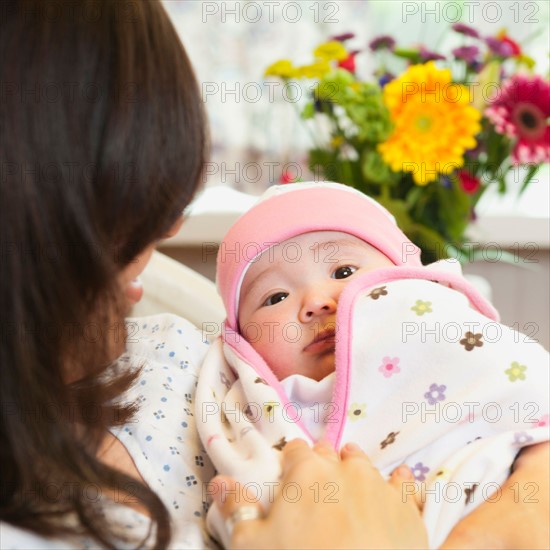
324	365
315	367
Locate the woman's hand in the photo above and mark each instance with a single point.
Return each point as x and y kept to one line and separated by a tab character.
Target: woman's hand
519	518
344	503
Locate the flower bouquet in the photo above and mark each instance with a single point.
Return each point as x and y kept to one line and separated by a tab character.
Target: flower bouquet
426	143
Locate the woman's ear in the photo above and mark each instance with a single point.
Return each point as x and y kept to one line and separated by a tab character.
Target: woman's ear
175	228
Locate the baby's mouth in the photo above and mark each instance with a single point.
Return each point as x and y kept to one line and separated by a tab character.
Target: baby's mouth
325	340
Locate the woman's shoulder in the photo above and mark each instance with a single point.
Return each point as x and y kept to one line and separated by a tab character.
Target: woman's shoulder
14	538
165	338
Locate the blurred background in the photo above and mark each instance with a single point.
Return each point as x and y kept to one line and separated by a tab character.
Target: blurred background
257	134
254	120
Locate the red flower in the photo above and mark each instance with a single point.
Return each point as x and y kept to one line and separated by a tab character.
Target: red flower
349	62
287	177
469	183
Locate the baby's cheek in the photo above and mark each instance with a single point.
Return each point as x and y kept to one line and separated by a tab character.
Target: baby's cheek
275	352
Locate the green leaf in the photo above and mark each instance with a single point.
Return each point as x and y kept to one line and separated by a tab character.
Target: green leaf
434	246
533	169
374	168
411	55
501	180
399	210
413	196
453	209
323	163
308	111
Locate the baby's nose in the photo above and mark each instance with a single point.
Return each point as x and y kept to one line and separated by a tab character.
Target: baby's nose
317	304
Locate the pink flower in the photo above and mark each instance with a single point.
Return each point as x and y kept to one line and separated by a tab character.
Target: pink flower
521	111
544	420
389	366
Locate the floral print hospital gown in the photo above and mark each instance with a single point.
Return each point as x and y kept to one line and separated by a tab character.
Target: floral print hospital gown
161	439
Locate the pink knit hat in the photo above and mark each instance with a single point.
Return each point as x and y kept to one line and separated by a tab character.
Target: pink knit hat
286	211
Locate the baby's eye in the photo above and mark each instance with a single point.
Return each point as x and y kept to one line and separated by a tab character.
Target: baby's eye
344	272
275	298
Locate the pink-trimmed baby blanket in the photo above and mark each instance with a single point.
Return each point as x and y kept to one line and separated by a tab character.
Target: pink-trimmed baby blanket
425	375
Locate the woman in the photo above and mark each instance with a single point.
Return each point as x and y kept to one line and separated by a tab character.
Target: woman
103	137
103	142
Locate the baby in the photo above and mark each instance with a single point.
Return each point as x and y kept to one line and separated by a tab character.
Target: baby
335	329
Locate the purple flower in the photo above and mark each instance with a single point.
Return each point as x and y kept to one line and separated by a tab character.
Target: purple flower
383	42
499	47
385	78
343	37
427	55
419	471
467	53
465	29
446	181
476	66
435	394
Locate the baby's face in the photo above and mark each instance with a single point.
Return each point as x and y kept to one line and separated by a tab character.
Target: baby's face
289	297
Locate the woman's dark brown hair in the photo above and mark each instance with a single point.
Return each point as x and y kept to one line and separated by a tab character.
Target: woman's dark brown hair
102	144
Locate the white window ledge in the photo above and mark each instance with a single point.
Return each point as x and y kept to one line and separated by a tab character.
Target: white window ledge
213	212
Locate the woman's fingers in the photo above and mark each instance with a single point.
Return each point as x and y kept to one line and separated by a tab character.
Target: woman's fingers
298	451
344	499
402	480
326	450
352	450
229	495
400	475
295	452
239	511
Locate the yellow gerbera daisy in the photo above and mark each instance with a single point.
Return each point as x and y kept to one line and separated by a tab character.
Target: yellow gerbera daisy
434	123
331	50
